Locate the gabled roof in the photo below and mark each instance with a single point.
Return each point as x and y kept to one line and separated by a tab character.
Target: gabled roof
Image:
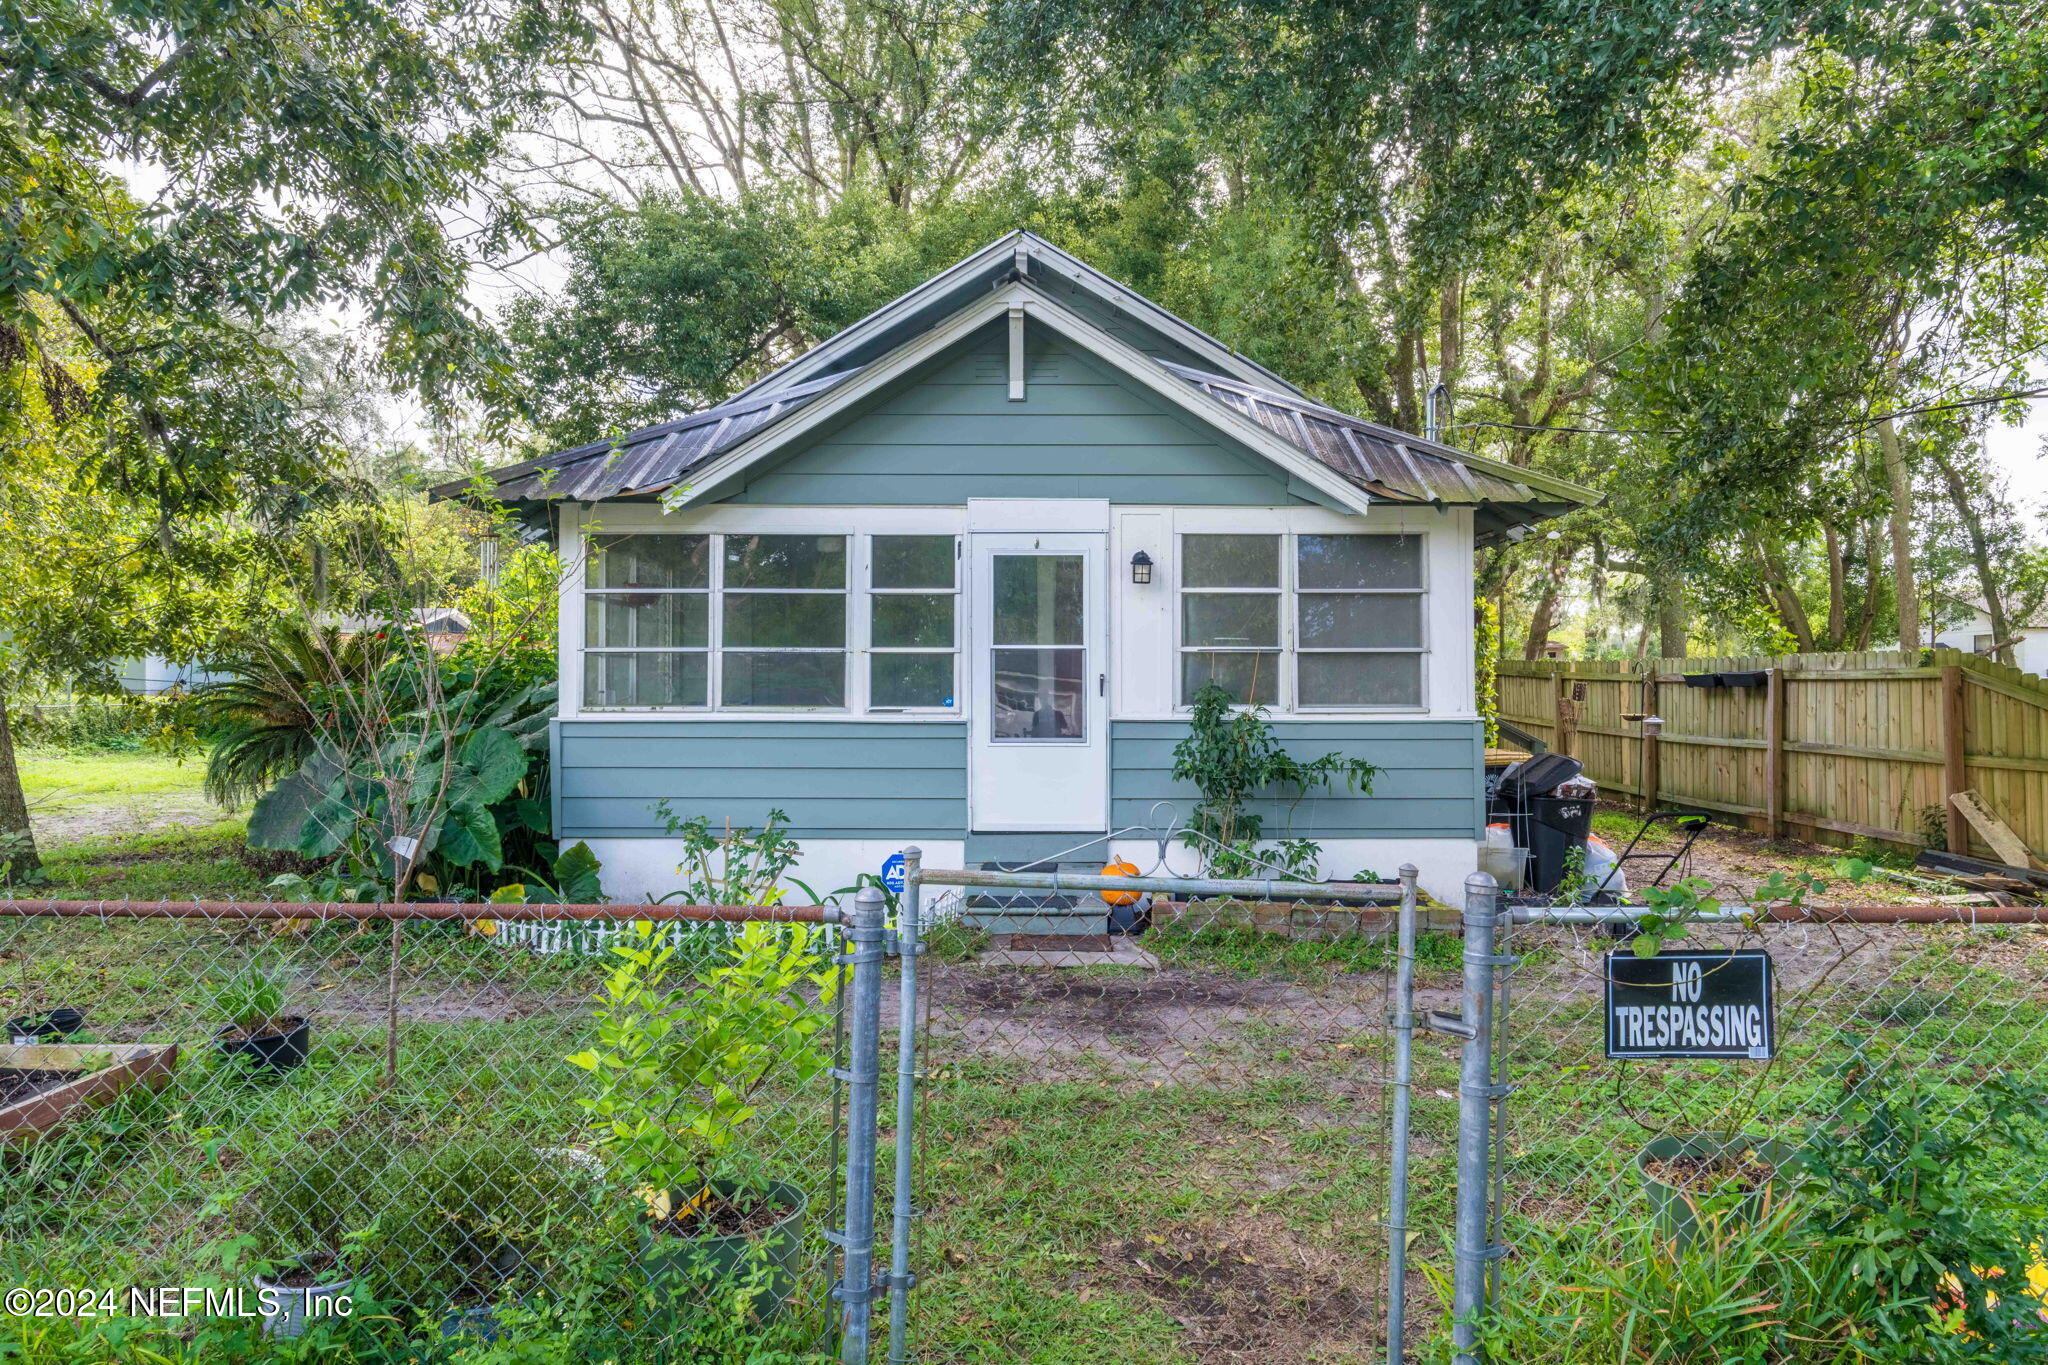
1382	463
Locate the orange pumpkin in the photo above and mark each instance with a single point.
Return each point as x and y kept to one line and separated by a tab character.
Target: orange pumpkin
1121	868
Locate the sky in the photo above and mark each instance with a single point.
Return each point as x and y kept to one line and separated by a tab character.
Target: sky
2017	451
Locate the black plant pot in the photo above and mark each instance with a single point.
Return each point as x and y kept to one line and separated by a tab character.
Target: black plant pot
278	1051
57	1023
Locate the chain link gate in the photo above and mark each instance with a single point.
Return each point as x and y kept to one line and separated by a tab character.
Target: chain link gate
1189	1144
1562	1163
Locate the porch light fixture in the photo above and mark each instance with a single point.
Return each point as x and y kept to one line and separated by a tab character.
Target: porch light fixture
1141	567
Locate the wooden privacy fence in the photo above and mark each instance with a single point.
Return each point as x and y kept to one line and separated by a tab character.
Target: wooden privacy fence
1826	747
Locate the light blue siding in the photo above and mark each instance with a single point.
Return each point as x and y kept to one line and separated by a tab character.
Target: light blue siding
834	780
854	780
1430	784
951	433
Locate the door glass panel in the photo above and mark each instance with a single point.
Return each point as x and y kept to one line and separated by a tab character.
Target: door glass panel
1038	693
1037	600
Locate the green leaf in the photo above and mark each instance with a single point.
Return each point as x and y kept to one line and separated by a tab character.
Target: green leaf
513	893
576	876
497	761
469	836
1647	945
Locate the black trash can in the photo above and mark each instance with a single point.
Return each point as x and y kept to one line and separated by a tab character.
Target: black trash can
1557	825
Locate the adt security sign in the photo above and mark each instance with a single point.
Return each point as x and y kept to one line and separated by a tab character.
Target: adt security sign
1691	1004
892	873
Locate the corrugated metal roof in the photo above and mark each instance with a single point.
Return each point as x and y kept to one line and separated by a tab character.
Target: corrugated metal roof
649	460
1389	465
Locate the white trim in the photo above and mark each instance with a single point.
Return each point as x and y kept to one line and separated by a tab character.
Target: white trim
1130	361
985	515
1016	355
1022	248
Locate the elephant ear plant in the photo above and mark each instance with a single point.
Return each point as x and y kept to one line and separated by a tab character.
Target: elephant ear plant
685	1070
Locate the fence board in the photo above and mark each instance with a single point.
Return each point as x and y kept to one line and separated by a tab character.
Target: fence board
1864	745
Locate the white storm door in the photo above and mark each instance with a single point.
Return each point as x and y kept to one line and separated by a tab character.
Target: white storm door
1039	710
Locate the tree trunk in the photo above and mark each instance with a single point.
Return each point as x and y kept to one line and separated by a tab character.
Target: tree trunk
1867	617
1980	557
19	861
1783	597
1546	606
1838	606
1672	626
1450	335
1405	360
1900	480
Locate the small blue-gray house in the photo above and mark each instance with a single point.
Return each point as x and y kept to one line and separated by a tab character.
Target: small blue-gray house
952	577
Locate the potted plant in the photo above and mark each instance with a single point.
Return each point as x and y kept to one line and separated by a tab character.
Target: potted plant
305	1221
50	1024
679	1075
258	1031
1721	1178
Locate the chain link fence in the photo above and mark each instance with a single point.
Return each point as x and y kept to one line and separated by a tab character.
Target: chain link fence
1907	1070
429	1123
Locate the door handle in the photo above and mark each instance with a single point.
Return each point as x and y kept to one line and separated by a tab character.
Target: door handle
1102	684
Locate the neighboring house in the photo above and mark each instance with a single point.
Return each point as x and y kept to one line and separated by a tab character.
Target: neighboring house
152	673
951	577
1973	634
444	627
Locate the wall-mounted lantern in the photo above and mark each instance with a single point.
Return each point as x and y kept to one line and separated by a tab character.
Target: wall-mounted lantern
1141	567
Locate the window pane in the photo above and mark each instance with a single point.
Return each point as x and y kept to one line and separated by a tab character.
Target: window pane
785	620
784	680
1230	561
1230	619
1361	680
913	621
1359	562
910	680
913	561
785	561
645	618
650	561
1037	600
1039	694
1335	620
1249	678
644	679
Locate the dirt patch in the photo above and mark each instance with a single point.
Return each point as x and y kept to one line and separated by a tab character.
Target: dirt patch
484	1004
1171	1025
1254	1293
19	1083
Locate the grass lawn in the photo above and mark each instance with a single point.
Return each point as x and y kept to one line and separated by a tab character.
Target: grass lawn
137	826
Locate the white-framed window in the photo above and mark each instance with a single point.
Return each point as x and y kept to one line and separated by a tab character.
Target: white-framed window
1302	621
913	623
1230	598
677	621
782	622
647	622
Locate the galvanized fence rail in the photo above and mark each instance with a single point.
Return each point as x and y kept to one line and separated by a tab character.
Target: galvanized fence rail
440	1122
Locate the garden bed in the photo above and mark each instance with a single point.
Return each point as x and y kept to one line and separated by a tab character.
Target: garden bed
46	1085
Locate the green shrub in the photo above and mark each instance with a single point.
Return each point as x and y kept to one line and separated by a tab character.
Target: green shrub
169	723
469	1216
250	999
322	1203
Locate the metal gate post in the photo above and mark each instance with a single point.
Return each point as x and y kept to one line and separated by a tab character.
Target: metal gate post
1404	1060
856	1289
1476	1095
901	1278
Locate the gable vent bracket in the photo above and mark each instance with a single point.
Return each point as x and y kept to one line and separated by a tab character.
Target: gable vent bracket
1016	354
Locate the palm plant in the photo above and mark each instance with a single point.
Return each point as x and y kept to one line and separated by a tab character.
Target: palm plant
269	714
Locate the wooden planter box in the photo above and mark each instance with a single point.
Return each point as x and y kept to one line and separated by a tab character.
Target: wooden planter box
108	1070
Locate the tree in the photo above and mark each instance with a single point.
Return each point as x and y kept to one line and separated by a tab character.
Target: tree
180	177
